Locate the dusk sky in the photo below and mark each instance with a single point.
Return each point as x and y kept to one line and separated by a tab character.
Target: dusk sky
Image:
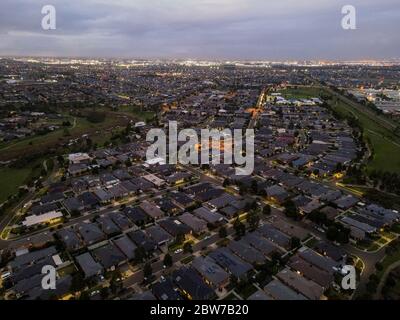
203	29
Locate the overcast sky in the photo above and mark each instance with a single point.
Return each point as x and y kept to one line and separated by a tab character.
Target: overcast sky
209	29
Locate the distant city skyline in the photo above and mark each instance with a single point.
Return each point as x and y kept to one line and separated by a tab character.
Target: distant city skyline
202	29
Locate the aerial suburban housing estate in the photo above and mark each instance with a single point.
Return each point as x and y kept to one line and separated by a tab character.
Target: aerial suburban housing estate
265	167
114	224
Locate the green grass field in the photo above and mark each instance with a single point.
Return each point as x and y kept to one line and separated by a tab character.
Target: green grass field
11	179
301	92
137	113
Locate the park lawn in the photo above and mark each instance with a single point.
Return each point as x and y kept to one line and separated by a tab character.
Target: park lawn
137	113
386	154
11	179
301	92
387	261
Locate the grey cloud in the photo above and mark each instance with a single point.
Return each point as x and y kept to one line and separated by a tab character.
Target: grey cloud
242	29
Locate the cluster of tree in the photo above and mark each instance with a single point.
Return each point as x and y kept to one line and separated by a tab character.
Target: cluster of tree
253	219
318	217
372	284
386	200
147	271
291	210
355	175
187	247
253	188
390	284
240	228
250	205
393	247
266	210
338	233
386	181
96	116
168	260
295	243
115	282
222	232
140	254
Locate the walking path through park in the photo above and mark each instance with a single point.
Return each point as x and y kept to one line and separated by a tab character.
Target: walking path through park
378	294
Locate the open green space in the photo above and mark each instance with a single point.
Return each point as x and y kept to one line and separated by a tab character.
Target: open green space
10	180
387	261
301	92
138	113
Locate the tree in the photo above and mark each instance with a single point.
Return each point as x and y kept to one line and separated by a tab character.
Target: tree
250	205
318	217
239	227
168	260
338	233
60	160
295	242
96	117
187	247
291	209
222	232
332	232
104	293
253	219
267	210
180	237
254	186
84	296
379	266
147	271
77	283
66	132
140	254
116	283
226	182
128	163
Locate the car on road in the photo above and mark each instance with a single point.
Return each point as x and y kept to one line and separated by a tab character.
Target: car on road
178	251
